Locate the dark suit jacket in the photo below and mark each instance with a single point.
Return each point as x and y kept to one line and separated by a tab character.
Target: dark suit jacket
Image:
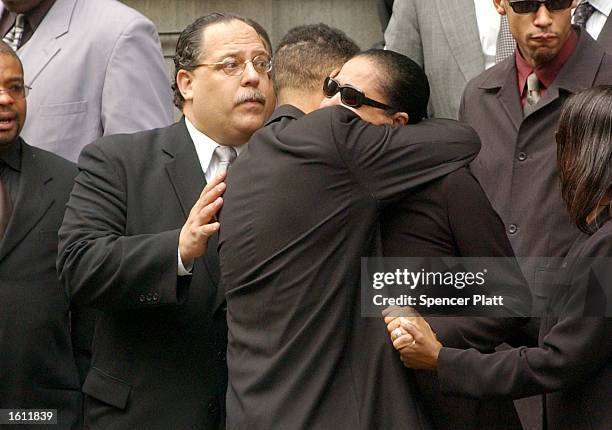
451	216
159	344
573	362
517	165
38	369
301	208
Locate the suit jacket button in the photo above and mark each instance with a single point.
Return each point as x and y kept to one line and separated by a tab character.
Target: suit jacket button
522	156
512	228
149	297
141	298
155	297
212	408
220	356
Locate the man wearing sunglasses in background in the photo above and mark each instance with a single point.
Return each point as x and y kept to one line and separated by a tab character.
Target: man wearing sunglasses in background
514	107
300	210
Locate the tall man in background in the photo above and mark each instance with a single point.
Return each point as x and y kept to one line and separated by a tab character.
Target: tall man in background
95	68
453	40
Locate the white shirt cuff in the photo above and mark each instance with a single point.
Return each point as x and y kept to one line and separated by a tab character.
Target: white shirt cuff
181	269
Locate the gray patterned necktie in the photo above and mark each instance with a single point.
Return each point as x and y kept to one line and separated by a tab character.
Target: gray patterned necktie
13	37
505	41
533	94
582	13
225	156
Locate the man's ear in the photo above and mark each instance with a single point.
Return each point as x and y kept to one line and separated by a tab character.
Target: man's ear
184	82
400	118
499	7
334	72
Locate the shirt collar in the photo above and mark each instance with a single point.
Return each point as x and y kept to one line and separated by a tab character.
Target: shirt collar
12	156
204	145
602	6
547	72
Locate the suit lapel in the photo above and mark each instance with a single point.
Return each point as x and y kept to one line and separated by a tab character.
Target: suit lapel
461	30
502	80
33	201
46	40
188	180
183	167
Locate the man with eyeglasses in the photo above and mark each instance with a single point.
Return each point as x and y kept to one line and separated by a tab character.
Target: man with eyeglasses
514	107
37	360
301	208
138	240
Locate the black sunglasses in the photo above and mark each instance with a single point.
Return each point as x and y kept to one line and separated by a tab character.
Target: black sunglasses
530	6
350	95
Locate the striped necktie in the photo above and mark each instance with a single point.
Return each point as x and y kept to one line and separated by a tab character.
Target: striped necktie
13	37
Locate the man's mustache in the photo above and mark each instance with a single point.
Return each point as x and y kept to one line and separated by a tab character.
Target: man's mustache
251	95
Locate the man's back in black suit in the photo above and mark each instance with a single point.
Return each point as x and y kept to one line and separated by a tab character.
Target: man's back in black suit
300	210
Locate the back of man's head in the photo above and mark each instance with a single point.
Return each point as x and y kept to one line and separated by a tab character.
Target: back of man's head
403	82
307	54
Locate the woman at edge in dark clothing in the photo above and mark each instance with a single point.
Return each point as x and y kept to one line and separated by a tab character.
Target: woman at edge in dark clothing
572	365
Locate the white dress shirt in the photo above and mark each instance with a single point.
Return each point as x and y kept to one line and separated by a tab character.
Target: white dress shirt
205	147
488	27
597	21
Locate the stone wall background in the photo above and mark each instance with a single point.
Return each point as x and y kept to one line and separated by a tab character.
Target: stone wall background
357	18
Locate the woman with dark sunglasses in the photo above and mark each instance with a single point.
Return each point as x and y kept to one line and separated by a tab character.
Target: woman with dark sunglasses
448	217
573	364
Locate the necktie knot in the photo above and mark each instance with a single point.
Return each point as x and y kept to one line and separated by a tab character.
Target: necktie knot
533	93
225	156
582	13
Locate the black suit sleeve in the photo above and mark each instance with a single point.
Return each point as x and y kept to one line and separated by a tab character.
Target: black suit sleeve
572	351
100	264
389	162
572	348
